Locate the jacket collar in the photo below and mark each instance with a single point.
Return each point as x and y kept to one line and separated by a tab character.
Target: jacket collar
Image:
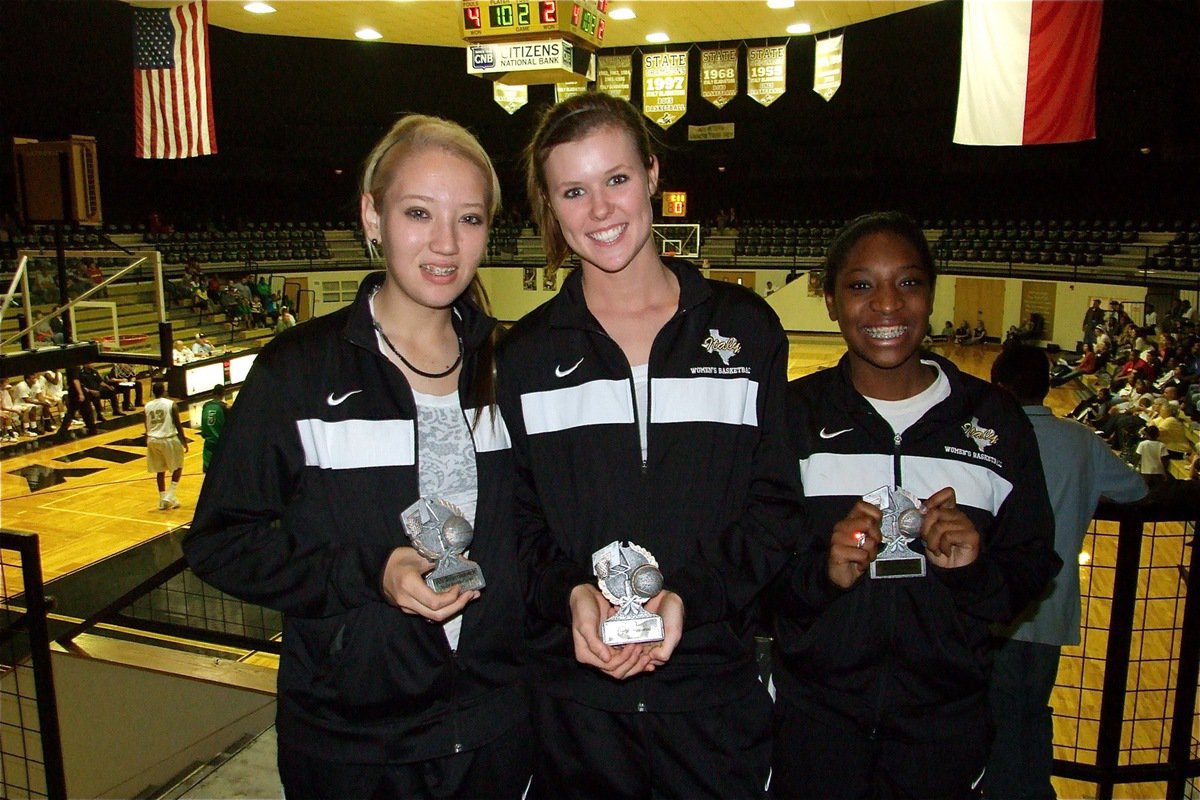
954	405
570	307
469	320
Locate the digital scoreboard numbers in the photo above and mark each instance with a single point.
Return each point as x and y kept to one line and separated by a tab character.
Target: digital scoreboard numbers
491	20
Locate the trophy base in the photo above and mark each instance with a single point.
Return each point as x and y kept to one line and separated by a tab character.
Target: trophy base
467	578
617	631
904	567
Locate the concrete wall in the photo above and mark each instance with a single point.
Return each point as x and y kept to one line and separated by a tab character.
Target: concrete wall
128	728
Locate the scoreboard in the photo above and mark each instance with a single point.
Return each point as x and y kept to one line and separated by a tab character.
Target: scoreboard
490	20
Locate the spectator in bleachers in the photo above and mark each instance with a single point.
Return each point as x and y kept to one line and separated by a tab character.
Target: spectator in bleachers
1093	319
962	333
1086	365
286	320
1152	457
1134	367
1150	320
1173	431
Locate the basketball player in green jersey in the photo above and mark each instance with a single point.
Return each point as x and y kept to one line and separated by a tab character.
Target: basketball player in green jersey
212	421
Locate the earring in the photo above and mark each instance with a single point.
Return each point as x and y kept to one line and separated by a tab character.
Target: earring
375	243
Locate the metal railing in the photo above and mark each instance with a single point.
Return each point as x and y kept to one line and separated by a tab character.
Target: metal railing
31	763
1125	699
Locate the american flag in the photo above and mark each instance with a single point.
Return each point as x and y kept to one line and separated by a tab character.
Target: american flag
172	87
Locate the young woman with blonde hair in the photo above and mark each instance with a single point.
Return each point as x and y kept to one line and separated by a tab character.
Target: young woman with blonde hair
386	687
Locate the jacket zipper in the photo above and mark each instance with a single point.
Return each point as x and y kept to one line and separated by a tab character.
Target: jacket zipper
885	673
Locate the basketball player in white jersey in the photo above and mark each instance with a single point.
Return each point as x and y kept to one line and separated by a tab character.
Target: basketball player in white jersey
165	444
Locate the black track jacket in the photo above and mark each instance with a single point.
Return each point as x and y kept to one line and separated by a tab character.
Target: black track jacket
894	649
715	502
299	513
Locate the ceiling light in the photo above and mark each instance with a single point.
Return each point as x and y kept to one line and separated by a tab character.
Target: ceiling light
799	27
780	3
368	34
259	8
657	37
1144	150
622	13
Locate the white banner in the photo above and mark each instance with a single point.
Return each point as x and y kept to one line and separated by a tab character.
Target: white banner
766	73
719	75
615	76
510	98
664	87
827	71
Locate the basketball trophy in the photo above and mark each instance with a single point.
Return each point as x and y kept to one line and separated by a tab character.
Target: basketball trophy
628	576
441	533
901	525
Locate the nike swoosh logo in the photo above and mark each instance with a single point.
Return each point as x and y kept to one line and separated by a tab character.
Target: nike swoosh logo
559	372
337	401
825	435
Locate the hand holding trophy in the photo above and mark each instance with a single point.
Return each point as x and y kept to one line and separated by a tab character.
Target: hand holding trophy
902	520
441	533
628	576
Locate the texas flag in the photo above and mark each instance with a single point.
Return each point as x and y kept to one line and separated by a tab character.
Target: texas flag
1028	72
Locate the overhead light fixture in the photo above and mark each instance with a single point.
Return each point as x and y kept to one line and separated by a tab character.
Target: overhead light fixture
1145	150
368	34
799	27
259	8
657	37
780	3
622	13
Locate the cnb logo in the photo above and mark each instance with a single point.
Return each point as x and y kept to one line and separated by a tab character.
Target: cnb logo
482	57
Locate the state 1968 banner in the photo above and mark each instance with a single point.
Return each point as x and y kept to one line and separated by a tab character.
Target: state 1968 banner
719	75
766	73
614	76
664	87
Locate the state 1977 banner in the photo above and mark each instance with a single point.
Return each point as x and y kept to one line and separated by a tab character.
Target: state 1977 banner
664	87
766	73
719	75
614	76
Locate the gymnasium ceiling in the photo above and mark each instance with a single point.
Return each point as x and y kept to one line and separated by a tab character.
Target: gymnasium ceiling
436	22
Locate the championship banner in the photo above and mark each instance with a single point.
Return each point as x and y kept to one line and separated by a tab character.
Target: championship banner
615	76
827	71
664	87
710	133
510	98
719	75
766	73
568	89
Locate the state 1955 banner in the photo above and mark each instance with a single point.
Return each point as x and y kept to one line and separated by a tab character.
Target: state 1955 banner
766	73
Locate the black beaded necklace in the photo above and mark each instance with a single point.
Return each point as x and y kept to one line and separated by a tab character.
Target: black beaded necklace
407	363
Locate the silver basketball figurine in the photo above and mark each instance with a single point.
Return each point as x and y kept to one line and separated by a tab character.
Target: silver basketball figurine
441	533
628	576
902	520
